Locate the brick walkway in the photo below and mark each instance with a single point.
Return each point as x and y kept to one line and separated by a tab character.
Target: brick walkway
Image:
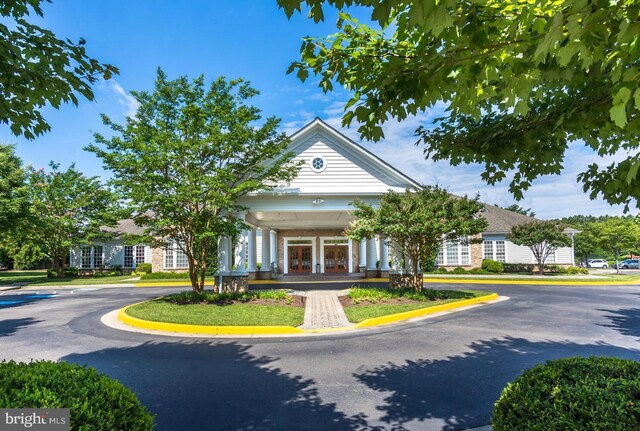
323	310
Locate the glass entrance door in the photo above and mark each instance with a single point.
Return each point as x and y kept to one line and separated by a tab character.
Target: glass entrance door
336	258
299	259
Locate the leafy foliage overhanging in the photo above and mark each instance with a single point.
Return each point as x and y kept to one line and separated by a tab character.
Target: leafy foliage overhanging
522	80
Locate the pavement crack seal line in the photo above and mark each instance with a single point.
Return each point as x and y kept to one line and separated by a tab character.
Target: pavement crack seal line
119	319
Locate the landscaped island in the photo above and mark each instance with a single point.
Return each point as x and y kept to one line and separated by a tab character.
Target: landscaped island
255	308
366	303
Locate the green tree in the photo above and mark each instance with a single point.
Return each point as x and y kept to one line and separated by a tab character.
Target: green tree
39	69
520	210
520	79
617	235
13	190
586	243
67	209
419	222
542	237
188	155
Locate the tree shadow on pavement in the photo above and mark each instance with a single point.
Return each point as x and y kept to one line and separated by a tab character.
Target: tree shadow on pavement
11	326
204	385
461	390
625	320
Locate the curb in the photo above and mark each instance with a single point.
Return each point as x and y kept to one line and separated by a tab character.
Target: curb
531	282
249	331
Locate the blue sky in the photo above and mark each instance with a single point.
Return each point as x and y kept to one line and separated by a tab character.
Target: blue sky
252	39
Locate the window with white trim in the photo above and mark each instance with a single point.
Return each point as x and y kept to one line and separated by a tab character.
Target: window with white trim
174	257
86	256
454	254
495	250
98	257
133	255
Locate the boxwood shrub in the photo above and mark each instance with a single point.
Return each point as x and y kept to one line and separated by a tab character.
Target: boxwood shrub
492	266
96	401
586	394
144	267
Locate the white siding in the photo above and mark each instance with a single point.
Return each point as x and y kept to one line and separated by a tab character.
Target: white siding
147	254
343	172
563	255
75	258
518	253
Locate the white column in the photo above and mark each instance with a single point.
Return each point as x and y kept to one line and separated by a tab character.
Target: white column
274	246
384	254
371	254
266	249
224	255
251	244
363	253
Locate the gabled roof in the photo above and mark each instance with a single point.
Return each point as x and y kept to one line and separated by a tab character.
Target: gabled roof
317	125
502	220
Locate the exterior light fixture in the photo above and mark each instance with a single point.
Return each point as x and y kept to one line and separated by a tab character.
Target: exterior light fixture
318	201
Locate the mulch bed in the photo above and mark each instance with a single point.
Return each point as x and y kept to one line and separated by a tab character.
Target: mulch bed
346	301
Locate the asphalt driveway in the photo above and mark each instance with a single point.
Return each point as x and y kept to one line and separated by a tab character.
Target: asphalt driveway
439	374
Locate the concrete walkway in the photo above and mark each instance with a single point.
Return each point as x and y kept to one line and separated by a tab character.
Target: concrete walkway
323	310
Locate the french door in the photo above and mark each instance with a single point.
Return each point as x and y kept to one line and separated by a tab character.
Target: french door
336	258
299	259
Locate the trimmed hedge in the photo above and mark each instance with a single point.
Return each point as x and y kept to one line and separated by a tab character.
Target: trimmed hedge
96	401
518	267
586	394
492	266
144	267
165	275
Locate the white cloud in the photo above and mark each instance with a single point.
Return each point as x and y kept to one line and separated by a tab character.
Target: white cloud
125	99
549	197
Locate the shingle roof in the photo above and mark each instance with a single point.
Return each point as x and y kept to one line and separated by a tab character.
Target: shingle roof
501	220
125	227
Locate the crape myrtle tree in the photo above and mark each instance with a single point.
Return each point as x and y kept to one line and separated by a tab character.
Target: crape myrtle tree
40	69
187	155
520	81
418	222
13	190
66	209
617	236
542	237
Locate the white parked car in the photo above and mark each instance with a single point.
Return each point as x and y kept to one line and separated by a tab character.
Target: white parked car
597	263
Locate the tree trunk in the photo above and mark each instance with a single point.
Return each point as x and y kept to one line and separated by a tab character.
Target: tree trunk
193	275
417	278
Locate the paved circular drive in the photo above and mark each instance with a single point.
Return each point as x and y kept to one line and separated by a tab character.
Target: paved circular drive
439	374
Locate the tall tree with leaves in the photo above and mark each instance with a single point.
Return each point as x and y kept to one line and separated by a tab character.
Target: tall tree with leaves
617	235
190	152
13	190
419	222
67	209
521	81
40	69
542	237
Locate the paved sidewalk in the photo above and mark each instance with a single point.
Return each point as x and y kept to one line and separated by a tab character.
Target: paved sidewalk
323	310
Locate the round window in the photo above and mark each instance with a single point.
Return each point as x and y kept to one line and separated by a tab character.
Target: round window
318	164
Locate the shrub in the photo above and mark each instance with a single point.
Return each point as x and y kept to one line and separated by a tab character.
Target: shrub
555	269
492	266
212	297
518	267
478	271
163	275
576	270
441	270
459	270
96	401
144	267
587	394
70	272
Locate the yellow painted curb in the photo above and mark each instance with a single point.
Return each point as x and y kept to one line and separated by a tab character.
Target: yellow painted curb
533	282
391	318
204	329
290	330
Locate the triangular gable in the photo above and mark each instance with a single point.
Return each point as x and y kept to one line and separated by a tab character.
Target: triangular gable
347	168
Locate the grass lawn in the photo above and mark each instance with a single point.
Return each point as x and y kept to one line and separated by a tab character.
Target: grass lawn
379	301
39	278
208	312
